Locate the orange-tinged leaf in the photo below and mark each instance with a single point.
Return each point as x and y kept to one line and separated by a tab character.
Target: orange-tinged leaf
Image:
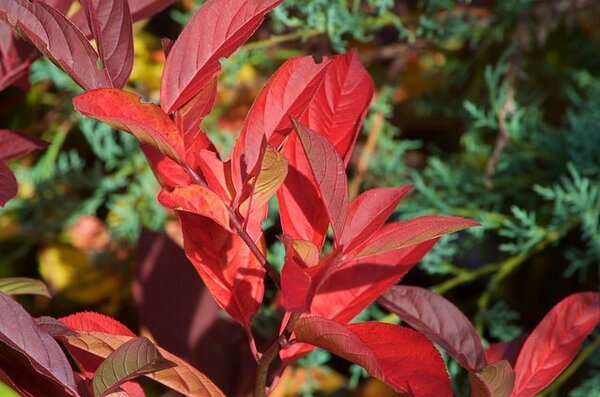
123	110
182	378
495	380
189	117
197	200
400	357
555	342
90	321
136	357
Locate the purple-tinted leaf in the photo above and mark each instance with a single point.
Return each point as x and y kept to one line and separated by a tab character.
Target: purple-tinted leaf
368	212
22	285
56	37
508	351
15	57
223	26
555	342
329	174
13	145
495	380
146	121
111	25
402	234
133	358
438	319
400	357
54	327
142	9
8	184
28	355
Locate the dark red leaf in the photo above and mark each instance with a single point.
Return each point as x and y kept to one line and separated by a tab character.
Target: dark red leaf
111	25
29	356
142	9
289	91
13	145
228	268
495	380
50	31
8	184
368	212
217	29
438	319
329	174
339	106
53	326
123	110
400	357
555	341
402	234
16	56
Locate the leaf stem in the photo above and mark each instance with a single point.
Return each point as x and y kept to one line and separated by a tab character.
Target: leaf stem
269	355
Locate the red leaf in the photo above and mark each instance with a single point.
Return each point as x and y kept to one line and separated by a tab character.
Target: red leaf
230	271
495	380
142	9
90	321
400	357
8	184
29	356
438	319
189	117
339	106
123	110
13	145
50	31
217	29
198	200
357	283
288	91
402	234
111	24
329	174
555	341
15	57
297	288
368	212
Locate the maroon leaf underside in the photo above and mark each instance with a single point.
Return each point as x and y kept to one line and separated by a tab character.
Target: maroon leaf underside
13	145
400	357
112	27
228	268
439	320
508	351
8	184
49	31
223	26
29	356
555	341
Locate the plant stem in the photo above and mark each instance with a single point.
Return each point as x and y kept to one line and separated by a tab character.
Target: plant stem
269	355
237	224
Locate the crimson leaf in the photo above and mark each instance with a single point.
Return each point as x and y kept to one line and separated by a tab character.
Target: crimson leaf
400	357
217	29
555	342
